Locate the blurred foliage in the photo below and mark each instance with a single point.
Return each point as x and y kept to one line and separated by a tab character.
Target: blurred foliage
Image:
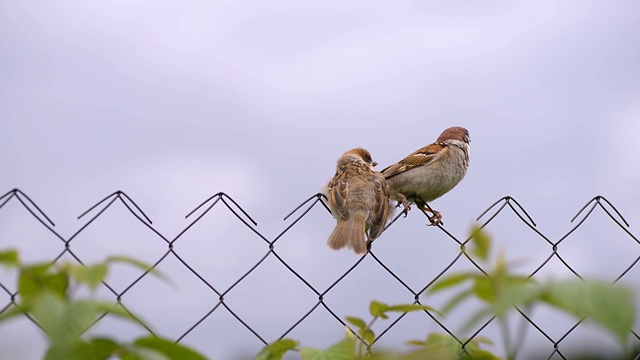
502	291
44	294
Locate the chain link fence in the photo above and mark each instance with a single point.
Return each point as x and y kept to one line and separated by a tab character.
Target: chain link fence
271	249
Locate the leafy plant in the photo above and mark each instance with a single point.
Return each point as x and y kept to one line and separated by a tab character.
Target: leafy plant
436	346
610	306
502	291
45	296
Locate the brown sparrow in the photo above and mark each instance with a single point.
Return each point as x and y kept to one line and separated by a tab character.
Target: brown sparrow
359	200
431	171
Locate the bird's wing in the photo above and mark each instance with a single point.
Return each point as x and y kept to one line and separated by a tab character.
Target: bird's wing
420	157
380	209
338	190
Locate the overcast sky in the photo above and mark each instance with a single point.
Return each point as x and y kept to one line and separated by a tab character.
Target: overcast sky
172	102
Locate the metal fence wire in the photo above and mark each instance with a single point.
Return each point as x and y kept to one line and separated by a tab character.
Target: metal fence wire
68	246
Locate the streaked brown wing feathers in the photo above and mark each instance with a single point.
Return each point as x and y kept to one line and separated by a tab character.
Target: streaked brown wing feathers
339	189
419	157
380	209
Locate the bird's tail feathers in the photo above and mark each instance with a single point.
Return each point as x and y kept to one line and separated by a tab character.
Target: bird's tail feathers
349	233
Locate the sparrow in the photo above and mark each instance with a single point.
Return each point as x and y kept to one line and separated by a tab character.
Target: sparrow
430	172
359	199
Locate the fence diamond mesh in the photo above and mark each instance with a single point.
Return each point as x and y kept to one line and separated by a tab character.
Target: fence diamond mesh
219	289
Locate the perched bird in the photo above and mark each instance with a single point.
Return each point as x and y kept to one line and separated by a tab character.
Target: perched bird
430	172
359	200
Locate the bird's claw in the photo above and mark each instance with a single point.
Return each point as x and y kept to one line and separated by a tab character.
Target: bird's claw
435	219
405	204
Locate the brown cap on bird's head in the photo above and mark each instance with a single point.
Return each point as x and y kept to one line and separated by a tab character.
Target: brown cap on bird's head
363	154
454	133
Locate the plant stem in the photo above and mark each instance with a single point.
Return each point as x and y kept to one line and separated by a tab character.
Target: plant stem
506	338
360	354
521	334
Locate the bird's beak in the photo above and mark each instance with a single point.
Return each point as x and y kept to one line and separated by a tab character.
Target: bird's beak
374	163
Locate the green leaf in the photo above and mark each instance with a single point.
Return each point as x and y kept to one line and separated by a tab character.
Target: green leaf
368	336
416	342
114	309
484	288
94	349
476	353
609	305
519	291
377	309
442	346
92	275
479	354
481	340
477	316
450	281
140	265
343	350
501	297
38	279
128	260
63	321
405	308
502	291
9	258
11	312
313	354
170	349
117	311
357	322
276	350
133	352
445	347
49	312
456	300
481	242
